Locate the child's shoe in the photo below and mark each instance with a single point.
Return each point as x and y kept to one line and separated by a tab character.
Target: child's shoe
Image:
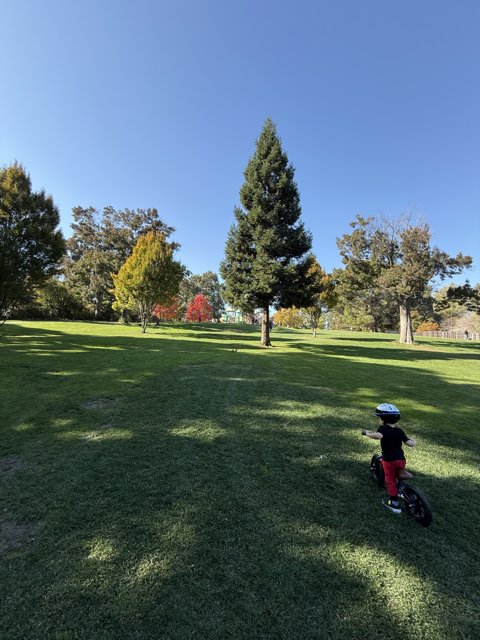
391	506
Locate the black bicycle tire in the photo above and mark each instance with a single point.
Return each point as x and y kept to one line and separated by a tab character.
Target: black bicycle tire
376	467
420	510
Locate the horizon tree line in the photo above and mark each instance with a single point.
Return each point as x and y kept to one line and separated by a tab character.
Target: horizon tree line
385	283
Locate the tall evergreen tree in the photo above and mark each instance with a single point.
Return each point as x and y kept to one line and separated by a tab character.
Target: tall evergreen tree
266	257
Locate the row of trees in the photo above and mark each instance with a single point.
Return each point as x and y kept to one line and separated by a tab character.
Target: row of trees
388	265
96	273
122	262
442	310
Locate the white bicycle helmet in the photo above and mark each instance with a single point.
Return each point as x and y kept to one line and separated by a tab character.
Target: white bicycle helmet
387	411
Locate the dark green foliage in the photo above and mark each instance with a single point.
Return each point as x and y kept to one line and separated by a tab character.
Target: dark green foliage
53	300
364	304
266	256
90	260
465	295
30	244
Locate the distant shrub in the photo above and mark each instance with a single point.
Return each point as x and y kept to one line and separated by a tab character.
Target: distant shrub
428	326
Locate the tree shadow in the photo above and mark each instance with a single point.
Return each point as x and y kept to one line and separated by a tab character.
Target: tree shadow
408	353
217	494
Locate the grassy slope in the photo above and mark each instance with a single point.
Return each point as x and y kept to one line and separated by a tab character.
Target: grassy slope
187	490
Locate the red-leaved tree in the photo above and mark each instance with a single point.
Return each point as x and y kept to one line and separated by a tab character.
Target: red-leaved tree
199	310
168	312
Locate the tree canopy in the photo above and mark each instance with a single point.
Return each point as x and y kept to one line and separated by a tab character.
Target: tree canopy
266	256
99	245
149	277
391	263
209	285
31	246
465	295
199	310
323	296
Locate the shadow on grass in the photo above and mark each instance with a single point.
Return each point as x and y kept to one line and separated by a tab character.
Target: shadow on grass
217	495
400	352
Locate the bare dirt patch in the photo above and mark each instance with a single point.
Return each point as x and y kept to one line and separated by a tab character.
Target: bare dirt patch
16	537
9	465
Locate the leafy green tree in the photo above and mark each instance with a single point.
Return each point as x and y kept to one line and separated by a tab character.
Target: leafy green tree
395	263
464	295
31	246
347	315
99	245
457	307
122	228
54	300
363	303
89	261
266	256
149	277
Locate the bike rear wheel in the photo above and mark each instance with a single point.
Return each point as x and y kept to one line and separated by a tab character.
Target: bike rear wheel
417	505
376	469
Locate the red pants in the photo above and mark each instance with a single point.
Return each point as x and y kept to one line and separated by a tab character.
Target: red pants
390	469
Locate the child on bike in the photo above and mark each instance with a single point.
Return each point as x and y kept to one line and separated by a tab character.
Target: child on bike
391	440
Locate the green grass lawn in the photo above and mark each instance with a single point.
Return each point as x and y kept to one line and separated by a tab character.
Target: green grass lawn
189	484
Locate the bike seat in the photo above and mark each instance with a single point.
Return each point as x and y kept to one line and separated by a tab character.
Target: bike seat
403	474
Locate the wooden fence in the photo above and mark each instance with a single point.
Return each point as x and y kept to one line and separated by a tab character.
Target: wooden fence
452	335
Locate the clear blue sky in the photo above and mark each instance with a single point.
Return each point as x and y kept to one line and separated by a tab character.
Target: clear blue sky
158	104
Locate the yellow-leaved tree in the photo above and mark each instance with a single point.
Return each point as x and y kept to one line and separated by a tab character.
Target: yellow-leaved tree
291	317
322	300
149	277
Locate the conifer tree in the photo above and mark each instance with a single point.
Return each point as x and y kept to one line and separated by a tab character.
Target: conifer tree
266	257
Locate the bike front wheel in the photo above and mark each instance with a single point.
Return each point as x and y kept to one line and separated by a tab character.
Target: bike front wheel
417	505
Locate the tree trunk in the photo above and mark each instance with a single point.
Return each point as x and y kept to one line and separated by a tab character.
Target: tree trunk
265	328
144	322
98	305
406	330
314	332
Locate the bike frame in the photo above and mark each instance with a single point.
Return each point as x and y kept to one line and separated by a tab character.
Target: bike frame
415	501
